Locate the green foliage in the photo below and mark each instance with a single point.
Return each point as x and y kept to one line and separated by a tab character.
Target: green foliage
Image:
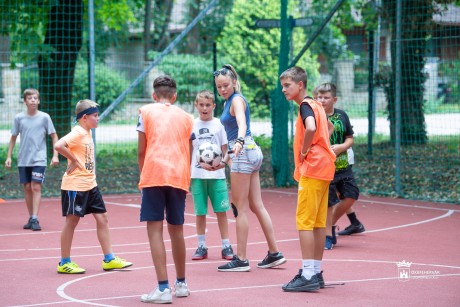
449	71
192	73
254	51
109	84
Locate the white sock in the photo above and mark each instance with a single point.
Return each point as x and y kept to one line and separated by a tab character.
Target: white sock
308	268
317	264
202	240
225	243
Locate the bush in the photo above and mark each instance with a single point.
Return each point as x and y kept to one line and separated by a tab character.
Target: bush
110	83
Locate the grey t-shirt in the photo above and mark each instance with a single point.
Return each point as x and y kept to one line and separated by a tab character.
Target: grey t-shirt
32	131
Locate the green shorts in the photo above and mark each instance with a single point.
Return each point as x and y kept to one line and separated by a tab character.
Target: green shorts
215	189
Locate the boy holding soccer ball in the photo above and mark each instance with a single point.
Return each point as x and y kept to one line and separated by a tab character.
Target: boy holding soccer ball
207	181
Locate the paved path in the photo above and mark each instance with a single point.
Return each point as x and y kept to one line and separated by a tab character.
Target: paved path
437	124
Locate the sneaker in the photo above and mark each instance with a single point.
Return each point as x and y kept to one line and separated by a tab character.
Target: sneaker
236	265
301	284
328	243
70	268
320	278
334	237
158	297
116	263
181	289
28	225
201	253
272	260
34	225
351	229
227	253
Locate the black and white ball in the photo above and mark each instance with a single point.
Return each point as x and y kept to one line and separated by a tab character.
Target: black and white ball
209	154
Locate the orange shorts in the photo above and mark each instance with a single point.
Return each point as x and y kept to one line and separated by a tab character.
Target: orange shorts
312	203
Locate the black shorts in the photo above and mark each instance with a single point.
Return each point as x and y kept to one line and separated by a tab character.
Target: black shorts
81	203
157	200
344	184
28	174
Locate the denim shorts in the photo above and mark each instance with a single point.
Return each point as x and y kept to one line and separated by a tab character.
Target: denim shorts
250	158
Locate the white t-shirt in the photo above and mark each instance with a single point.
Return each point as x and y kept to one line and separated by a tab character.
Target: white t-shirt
211	131
351	156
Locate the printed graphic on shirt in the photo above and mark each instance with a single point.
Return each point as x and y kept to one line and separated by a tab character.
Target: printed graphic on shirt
338	137
204	136
89	157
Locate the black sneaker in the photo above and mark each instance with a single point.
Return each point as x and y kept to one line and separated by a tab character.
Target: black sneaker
29	224
351	229
272	260
301	284
34	225
201	253
320	278
236	265
227	253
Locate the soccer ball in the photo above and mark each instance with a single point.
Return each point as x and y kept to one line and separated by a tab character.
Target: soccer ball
209	154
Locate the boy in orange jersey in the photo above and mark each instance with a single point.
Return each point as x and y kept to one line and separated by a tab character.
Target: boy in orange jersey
79	190
314	169
164	132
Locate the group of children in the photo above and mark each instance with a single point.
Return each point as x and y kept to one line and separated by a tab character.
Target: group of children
168	139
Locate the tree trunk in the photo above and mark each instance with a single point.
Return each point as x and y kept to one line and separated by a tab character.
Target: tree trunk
64	35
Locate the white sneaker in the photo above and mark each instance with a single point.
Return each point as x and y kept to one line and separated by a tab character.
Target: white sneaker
158	297
181	289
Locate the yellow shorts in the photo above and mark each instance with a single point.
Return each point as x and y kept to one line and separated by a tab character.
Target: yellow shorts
312	203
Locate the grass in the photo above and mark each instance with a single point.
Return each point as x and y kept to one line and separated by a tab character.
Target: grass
428	172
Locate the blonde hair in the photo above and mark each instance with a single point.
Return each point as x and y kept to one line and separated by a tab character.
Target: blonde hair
325	88
205	94
231	73
295	73
30	91
84	104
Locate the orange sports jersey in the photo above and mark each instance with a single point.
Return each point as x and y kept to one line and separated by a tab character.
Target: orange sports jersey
167	130
80	143
319	162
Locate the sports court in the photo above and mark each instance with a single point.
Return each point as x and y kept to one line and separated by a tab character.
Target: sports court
361	270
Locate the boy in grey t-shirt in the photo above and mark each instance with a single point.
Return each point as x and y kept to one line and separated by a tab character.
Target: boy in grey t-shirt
33	126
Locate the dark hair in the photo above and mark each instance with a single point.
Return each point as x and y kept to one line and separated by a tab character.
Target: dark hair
295	73
164	87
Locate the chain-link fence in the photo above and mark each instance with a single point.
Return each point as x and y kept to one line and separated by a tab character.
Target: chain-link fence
397	78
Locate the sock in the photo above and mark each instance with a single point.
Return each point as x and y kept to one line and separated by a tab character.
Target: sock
225	243
317	266
308	268
178	280
109	257
163	285
202	240
34	217
65	260
353	219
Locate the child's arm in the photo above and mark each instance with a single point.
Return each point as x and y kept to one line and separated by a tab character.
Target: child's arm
141	147
62	148
339	148
55	158
310	129
10	151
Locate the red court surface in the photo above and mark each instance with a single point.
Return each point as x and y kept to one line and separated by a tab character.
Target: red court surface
363	268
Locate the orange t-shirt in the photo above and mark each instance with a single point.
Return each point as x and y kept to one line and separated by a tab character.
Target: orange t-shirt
319	162
80	143
167	130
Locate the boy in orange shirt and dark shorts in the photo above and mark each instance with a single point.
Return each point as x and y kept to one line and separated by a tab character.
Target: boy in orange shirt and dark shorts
164	132
314	169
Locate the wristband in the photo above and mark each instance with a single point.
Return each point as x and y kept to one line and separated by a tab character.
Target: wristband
240	140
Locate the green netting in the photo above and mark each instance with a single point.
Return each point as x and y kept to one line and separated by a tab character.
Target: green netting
397	79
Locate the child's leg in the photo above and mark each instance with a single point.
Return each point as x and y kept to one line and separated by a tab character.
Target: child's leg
103	233
157	248
200	224
36	188
28	197
176	233
257	206
341	208
223	224
329	221
71	222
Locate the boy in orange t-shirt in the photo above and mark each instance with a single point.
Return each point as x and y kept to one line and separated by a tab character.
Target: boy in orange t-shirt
314	169
164	132
79	190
